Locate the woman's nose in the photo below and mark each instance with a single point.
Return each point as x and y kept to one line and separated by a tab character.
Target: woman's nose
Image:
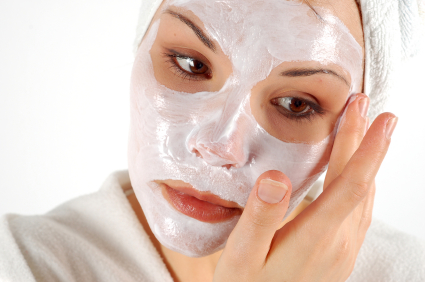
218	155
226	147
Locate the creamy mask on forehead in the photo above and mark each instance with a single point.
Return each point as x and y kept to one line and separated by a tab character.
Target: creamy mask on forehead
211	139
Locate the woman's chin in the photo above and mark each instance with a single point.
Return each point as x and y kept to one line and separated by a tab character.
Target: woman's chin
193	238
195	251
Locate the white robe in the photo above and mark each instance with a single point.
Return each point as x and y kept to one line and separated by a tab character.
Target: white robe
97	237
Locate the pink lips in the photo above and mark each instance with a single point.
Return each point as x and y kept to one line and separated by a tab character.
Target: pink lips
202	206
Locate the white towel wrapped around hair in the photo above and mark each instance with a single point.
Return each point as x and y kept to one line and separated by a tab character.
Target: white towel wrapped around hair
394	31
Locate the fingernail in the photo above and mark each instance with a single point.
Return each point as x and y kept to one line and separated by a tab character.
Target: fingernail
391	124
363	105
271	191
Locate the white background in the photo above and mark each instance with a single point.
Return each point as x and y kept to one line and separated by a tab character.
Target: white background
64	90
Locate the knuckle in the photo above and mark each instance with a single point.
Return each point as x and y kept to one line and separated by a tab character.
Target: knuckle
259	222
344	251
344	246
358	131
353	127
379	149
263	218
358	189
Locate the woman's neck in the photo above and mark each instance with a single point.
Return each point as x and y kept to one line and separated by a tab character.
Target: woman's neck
181	267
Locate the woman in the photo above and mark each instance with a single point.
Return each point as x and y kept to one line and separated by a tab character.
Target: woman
233	118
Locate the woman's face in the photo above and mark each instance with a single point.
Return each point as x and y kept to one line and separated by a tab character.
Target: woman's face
224	91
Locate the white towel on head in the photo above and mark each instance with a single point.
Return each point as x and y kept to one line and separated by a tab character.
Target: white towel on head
147	12
394	31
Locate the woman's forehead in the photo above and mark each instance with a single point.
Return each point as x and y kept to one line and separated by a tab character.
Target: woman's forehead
348	11
274	32
345	10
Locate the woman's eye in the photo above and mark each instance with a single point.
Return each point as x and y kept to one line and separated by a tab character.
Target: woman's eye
293	105
191	65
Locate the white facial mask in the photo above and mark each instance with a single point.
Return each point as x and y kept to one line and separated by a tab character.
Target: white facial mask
167	125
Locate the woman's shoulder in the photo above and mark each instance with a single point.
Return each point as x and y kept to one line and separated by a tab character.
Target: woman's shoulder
95	237
389	254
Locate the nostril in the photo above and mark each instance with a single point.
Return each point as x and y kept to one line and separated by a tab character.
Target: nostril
228	166
197	153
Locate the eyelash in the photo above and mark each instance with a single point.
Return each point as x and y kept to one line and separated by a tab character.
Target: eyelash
309	116
171	57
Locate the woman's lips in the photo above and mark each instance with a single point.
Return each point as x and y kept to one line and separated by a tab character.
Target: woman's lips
202	206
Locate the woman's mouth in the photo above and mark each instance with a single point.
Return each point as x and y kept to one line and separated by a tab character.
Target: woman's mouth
202	206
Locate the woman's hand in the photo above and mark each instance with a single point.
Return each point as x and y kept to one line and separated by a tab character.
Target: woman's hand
322	242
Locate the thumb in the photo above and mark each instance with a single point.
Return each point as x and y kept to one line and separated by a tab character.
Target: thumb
262	215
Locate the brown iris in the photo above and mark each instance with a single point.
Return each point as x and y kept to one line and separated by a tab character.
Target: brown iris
297	105
197	67
292	105
190	65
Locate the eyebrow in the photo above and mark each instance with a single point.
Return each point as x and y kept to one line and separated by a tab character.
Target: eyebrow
197	30
308	72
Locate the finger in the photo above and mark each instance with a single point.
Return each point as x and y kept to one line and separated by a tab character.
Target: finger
264	211
349	189
350	134
356	217
366	218
358	211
